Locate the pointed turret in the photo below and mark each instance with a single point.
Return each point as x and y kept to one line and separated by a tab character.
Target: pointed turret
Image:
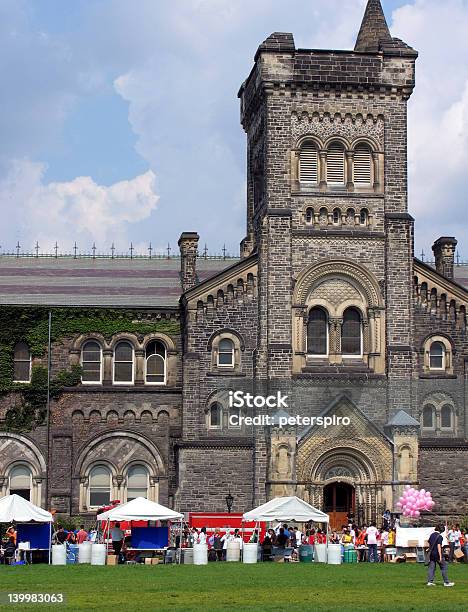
374	29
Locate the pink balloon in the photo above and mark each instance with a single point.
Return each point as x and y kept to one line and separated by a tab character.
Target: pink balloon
417	514
423	491
399	505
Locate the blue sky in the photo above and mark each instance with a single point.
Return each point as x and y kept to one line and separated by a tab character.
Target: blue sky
120	120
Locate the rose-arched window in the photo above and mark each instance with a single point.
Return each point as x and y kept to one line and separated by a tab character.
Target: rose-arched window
226	353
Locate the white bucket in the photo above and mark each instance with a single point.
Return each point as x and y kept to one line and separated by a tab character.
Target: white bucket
233	551
200	554
84	552
98	554
334	554
59	554
249	553
320	555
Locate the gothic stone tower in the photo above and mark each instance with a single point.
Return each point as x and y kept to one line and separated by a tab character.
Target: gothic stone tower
327	216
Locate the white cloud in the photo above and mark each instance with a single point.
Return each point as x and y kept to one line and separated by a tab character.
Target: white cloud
78	210
438	119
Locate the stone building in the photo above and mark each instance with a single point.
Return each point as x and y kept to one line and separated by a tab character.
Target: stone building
326	305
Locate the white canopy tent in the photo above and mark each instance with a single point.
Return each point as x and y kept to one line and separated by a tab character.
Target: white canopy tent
142	509
286	509
14	508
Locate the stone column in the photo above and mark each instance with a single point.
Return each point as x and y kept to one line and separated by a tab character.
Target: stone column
107	355
376	161
349	170
323	170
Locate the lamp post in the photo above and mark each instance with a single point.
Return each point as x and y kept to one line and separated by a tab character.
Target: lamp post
229	501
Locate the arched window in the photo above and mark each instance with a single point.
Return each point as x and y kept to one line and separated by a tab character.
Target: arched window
364	216
428	417
22	363
362	169
317	332
91	362
308	164
336	164
226	353
123	363
437	356
215	416
350	216
155	363
351	333
336	216
20	481
99	486
137	482
309	215
446	417
323	216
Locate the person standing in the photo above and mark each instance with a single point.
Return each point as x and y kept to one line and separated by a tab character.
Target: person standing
82	535
117	536
436	556
371	533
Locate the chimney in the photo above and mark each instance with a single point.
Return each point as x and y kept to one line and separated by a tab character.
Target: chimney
444	253
188	245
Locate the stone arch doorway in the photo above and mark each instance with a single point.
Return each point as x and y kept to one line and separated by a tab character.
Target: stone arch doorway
339	499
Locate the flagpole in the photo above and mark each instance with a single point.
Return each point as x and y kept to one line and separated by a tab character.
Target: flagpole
49	362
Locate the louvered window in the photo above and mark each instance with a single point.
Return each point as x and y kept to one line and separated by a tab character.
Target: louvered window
317	332
335	165
362	166
308	164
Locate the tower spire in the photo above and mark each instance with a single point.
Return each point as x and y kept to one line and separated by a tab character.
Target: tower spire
374	28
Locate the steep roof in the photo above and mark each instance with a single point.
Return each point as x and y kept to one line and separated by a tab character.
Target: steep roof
100	281
374	28
460	275
403	419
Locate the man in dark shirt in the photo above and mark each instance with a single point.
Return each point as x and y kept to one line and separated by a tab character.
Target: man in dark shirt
61	535
281	539
436	556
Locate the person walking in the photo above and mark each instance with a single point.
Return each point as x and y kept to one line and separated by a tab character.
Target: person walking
436	556
372	533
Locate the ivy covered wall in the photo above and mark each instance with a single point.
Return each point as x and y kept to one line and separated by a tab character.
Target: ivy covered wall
31	325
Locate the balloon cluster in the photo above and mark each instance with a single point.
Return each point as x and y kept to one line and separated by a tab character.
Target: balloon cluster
413	501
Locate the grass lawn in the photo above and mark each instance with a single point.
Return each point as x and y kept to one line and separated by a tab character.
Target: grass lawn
226	586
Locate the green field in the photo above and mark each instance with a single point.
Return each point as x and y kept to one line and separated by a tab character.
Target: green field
222	586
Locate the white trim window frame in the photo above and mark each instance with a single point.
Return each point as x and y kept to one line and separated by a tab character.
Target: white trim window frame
156	355
83	361
131	380
230	352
